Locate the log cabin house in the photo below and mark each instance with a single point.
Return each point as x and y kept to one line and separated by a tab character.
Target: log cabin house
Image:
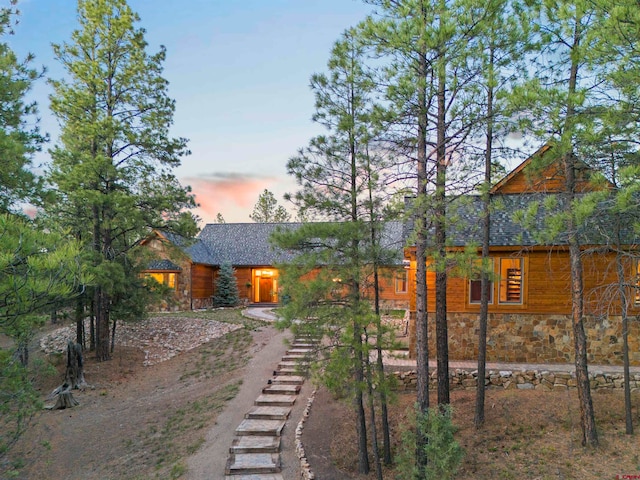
530	302
191	267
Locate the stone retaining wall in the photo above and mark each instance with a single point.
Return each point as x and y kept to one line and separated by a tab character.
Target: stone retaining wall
529	338
522	380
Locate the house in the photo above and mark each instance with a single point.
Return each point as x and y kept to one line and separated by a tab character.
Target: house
530	301
191	267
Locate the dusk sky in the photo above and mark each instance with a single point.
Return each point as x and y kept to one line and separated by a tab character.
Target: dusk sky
239	72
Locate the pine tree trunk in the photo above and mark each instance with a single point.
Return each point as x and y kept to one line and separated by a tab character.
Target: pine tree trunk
80	320
361	422
622	295
486	239
421	320
442	334
102	326
587	417
74	373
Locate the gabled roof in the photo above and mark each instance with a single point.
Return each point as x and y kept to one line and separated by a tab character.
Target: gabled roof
550	179
194	248
519	170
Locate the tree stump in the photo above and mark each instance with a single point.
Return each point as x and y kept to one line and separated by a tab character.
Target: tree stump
73	379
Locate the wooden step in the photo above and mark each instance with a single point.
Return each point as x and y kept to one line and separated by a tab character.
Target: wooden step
267	476
275	400
269	413
295	357
294	372
252	463
281	389
303	351
302	365
255	444
310	346
288	380
259	427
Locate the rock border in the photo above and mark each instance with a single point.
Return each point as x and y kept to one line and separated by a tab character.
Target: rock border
305	469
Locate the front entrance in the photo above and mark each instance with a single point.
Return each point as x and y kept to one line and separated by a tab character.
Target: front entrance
265	285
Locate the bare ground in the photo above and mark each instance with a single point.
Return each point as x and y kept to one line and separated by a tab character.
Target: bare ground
528	434
138	422
162	421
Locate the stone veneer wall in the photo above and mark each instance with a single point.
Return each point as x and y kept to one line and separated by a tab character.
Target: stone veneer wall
521	380
529	338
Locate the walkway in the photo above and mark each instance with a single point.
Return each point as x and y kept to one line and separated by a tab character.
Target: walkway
255	452
398	360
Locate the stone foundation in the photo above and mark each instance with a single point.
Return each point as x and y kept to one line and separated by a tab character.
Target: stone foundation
528	338
521	380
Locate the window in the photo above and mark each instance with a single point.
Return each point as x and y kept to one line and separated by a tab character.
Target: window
164	278
510	280
402	281
475	286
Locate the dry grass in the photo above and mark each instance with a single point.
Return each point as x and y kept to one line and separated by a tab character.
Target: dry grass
527	434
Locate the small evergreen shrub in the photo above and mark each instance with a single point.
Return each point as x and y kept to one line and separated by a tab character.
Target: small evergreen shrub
442	451
226	293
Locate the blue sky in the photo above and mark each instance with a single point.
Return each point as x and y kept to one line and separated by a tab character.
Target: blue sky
239	72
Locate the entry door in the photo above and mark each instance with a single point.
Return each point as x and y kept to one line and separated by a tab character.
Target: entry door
266	290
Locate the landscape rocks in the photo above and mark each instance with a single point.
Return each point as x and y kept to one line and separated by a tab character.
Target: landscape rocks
161	338
305	469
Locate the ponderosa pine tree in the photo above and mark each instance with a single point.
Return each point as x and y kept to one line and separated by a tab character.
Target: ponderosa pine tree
267	210
562	100
18	141
502	39
340	181
112	168
614	149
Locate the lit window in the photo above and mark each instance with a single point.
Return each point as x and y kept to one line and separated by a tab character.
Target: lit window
164	278
510	280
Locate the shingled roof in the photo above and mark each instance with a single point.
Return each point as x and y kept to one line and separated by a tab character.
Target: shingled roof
163	265
465	222
247	244
243	244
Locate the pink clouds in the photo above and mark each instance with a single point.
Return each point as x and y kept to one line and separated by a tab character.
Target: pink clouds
234	196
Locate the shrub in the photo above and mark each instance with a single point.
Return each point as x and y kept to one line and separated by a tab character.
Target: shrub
442	451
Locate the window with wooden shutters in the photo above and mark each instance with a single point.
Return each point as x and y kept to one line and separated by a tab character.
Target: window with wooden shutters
511	284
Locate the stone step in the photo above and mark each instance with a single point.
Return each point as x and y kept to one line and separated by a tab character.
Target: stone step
304	345
295	357
253	444
252	463
288	380
275	400
302	365
293	372
281	389
304	351
251	426
267	476
269	413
